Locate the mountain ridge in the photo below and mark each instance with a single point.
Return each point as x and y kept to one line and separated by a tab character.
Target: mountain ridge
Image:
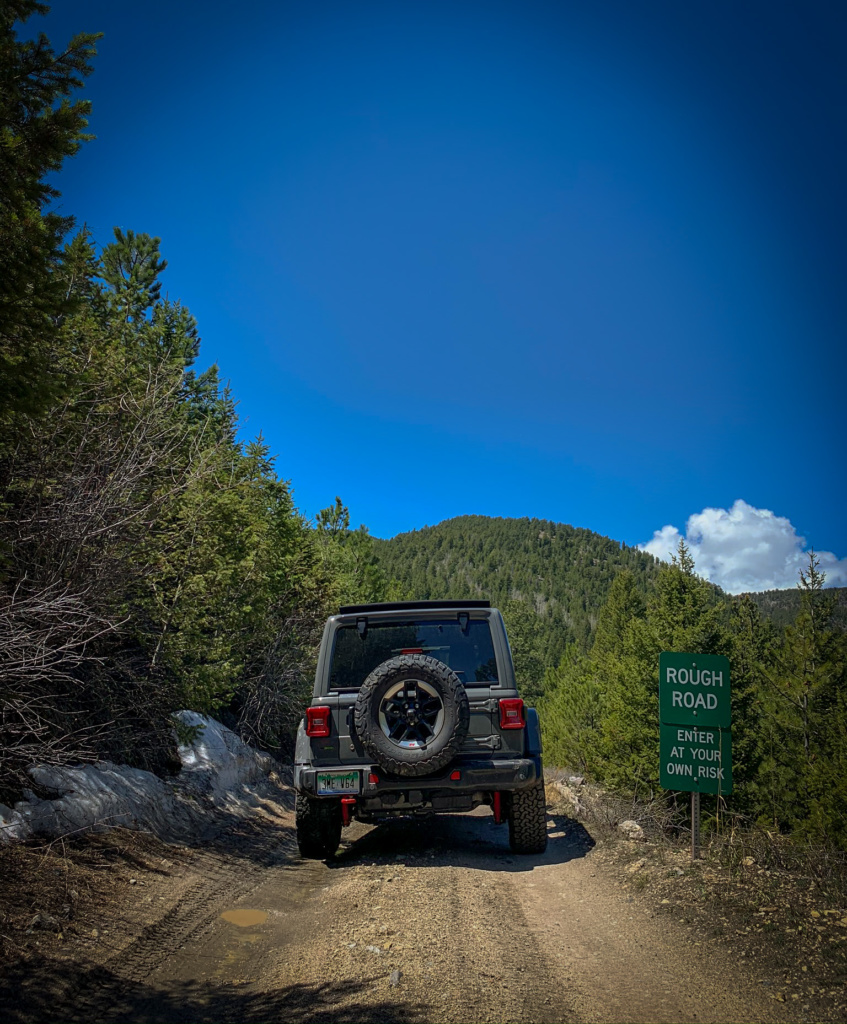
561	573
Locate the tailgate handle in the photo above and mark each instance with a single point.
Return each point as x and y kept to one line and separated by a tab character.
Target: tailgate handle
489	742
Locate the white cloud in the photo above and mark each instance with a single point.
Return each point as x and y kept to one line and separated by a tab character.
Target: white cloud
744	549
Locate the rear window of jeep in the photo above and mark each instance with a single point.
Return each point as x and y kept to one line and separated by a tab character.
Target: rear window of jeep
470	653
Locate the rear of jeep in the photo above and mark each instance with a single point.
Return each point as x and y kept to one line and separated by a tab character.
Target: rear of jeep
415	711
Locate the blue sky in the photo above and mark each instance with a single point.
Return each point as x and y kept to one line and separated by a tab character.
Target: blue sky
577	261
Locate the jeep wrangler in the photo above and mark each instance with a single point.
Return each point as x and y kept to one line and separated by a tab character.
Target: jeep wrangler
415	711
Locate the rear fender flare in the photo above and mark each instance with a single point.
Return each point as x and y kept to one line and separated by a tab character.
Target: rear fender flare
302	746
533	733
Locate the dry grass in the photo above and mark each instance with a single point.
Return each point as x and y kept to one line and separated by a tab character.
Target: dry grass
811	864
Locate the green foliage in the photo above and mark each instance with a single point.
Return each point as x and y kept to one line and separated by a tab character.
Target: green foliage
349	557
218	555
802	774
131	268
169	567
591	698
625	604
572	712
549	579
39	128
754	640
600	708
526	643
186	734
783	606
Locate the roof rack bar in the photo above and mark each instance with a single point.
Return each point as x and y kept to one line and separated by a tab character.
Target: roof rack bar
388	606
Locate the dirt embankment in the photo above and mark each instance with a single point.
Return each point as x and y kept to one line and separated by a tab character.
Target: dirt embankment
414	922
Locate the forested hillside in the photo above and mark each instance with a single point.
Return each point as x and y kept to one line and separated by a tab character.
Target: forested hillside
789	698
783	606
149	558
549	579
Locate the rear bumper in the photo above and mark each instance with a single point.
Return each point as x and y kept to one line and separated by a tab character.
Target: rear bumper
476	777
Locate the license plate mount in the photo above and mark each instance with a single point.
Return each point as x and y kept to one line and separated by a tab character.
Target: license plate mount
339	783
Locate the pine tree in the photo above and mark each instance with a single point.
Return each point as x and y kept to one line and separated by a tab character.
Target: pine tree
624	604
754	640
524	639
683	614
39	128
173	333
805	716
572	712
332	520
131	268
80	267
350	557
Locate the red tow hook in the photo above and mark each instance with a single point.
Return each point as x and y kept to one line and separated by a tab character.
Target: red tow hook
347	804
497	807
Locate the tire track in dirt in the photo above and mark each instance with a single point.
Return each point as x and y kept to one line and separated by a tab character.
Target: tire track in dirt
391	930
88	986
431	922
222	881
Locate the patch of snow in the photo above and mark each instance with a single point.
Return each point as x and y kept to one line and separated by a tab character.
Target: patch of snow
218	771
217	762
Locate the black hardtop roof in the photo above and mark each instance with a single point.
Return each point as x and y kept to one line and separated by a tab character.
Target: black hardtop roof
402	606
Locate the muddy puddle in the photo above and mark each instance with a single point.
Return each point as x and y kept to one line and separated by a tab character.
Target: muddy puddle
245	918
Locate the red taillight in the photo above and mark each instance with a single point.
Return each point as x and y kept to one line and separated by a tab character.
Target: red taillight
455	775
373	778
317	721
511	713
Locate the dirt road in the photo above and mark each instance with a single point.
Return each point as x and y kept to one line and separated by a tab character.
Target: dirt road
424	922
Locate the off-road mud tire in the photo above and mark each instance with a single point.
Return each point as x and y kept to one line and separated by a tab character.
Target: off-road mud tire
318	826
528	819
445	746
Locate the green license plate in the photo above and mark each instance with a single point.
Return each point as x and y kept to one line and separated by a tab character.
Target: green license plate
339	783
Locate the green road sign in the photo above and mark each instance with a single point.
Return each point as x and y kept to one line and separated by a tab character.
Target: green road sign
695	758
694	690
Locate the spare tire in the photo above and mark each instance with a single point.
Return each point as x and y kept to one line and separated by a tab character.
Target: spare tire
412	714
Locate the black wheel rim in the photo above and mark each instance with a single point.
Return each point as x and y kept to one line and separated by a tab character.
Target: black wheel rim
411	714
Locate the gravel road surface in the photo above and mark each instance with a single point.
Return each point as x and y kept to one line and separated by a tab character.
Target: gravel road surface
428	922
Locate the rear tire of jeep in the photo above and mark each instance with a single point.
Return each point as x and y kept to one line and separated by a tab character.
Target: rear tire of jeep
528	820
437	713
318	826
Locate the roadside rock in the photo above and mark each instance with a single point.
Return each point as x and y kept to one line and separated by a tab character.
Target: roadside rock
570	795
632	830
